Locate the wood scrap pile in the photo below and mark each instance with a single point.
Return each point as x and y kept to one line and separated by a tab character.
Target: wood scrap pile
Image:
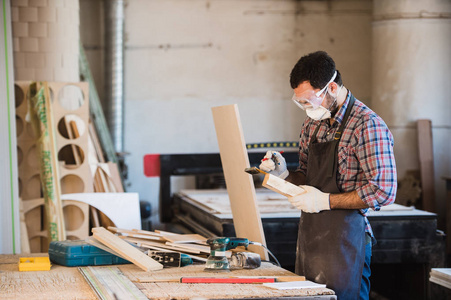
119	247
193	245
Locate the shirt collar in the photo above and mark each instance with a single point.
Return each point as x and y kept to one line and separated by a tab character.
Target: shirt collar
341	113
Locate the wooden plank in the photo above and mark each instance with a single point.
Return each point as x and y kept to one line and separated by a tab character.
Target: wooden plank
126	250
96	110
92	241
115	177
139	231
73	133
184	238
113	185
240	185
123	231
426	156
95	142
202	249
281	186
144	236
448	213
110	283
146	243
44	127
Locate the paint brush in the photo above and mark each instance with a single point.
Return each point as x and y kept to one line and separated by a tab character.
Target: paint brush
254	170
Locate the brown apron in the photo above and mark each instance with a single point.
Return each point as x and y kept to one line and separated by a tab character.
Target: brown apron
331	244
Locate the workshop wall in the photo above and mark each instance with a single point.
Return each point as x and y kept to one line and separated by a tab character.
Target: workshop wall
411	58
185	56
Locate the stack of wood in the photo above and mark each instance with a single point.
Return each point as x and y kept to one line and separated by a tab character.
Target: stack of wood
194	245
107	241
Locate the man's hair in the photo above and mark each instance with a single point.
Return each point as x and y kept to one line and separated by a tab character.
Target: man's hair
316	68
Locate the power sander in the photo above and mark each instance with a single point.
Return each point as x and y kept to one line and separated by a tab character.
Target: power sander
217	261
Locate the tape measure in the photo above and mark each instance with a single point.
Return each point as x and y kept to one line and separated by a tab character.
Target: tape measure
273	144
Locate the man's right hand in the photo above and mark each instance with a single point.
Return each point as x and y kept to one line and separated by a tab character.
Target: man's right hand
274	164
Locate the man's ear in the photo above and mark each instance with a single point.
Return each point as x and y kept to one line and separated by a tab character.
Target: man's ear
333	89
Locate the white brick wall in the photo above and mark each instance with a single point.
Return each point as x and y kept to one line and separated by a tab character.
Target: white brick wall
45	39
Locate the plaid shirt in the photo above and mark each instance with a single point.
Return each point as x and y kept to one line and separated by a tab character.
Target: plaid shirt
366	161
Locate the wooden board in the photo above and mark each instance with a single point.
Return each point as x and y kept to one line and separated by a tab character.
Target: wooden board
240	185
426	156
126	250
148	244
58	283
281	186
67	283
42	119
136	231
202	249
110	283
184	238
174	290
121	208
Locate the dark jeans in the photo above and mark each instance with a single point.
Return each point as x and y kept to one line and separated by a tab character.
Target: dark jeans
365	283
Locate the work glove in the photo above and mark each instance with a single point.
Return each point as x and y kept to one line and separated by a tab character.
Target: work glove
274	163
313	201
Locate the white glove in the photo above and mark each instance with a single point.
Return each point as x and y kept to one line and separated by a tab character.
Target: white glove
274	163
313	201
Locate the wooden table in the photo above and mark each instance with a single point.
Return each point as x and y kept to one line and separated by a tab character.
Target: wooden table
67	283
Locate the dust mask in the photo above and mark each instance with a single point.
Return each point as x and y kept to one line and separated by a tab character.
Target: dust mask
321	113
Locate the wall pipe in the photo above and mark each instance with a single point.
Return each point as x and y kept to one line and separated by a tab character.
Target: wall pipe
114	70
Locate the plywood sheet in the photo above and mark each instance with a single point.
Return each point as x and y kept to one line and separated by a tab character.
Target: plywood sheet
121	208
240	186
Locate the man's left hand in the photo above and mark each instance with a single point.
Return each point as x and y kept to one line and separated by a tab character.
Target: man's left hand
313	201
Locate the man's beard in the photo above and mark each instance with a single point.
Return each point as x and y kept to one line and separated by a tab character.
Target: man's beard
334	108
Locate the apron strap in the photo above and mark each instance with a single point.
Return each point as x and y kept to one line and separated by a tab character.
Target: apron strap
313	140
345	118
332	159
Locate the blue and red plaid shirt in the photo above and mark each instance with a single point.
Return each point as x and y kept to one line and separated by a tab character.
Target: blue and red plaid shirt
366	162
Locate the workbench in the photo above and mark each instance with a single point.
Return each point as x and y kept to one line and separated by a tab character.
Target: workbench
408	246
408	243
68	283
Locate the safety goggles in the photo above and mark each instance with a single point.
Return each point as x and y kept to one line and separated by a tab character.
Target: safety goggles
310	99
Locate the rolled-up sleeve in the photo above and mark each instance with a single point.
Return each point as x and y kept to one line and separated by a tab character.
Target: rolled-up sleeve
377	160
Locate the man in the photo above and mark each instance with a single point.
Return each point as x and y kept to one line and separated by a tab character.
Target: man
346	165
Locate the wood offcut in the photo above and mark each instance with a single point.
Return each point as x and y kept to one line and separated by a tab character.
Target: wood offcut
126	250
